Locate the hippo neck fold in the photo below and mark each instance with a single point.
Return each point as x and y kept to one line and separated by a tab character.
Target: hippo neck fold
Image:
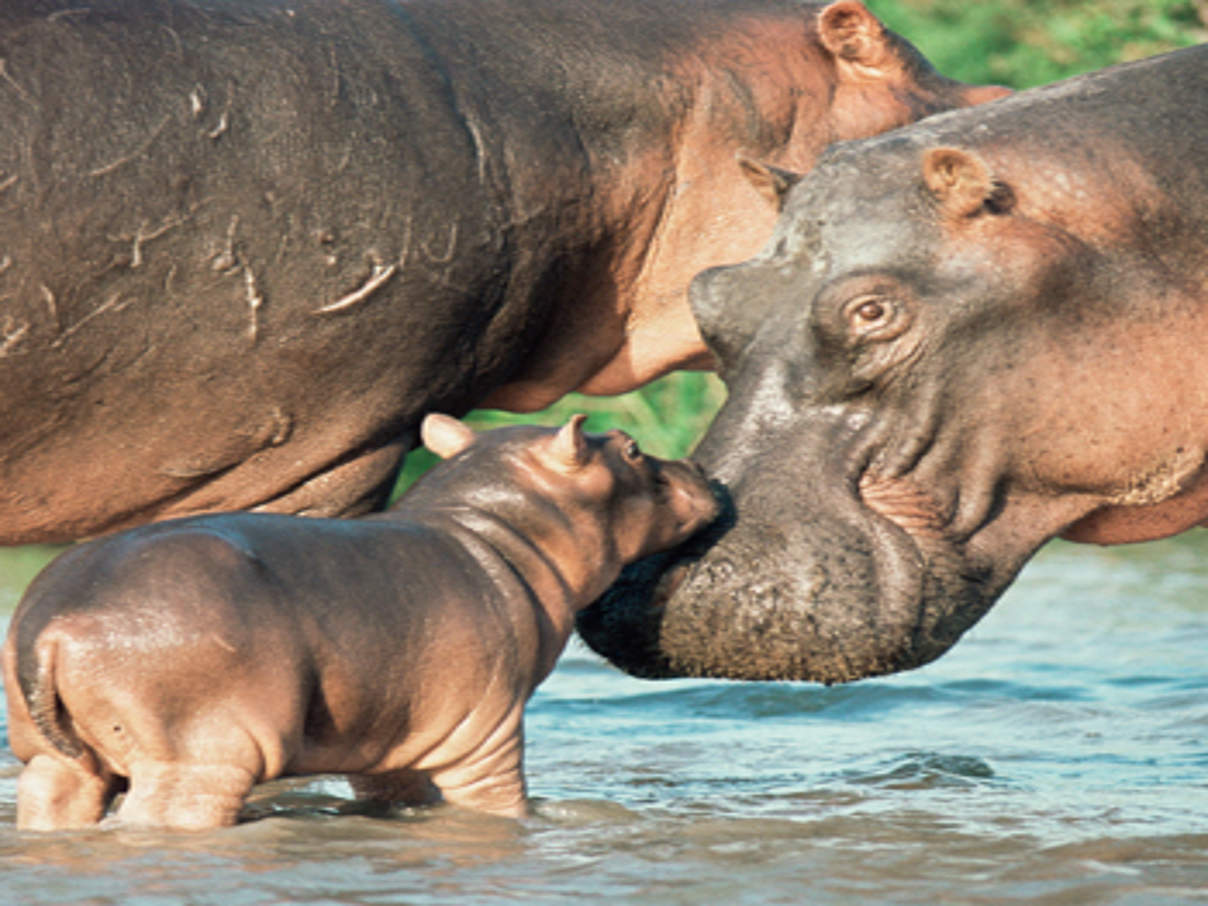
561	571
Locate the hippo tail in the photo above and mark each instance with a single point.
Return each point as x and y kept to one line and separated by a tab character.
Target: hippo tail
35	669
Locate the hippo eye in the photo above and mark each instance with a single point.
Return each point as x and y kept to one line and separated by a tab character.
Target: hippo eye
870	312
630	450
876	317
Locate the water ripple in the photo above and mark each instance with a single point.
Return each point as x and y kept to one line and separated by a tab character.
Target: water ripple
1059	754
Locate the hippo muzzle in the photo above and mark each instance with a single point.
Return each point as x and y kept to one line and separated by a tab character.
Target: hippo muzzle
796	580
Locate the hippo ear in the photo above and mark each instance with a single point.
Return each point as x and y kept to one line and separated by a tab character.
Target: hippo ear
960	181
853	34
444	435
771	182
568	448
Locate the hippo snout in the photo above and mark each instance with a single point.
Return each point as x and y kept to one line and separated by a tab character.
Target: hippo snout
696	500
726	329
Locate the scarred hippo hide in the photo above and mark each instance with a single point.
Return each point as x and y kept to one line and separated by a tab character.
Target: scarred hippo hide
246	244
964	338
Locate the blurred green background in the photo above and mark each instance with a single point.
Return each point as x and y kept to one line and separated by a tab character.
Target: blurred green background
1022	43
1007	42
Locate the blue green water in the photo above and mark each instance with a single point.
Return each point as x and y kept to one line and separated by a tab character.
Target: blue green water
1059	754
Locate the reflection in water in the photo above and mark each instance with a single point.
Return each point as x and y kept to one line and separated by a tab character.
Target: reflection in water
1058	755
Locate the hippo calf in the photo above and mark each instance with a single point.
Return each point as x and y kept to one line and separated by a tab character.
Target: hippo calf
197	657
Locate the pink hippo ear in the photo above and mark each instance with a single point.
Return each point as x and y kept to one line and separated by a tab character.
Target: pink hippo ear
568	448
960	181
853	34
444	435
771	182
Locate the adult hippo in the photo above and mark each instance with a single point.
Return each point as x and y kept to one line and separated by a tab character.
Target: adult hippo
964	338
246	244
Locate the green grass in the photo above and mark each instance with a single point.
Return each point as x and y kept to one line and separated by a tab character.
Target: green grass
666	417
1020	43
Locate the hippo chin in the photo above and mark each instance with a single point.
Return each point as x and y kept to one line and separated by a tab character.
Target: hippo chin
965	338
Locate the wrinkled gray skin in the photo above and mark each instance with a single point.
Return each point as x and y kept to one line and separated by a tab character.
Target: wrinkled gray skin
246	244
966	337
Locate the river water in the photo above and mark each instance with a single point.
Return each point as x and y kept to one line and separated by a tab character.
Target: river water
1059	754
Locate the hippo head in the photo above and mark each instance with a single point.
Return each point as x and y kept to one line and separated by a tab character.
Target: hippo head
904	361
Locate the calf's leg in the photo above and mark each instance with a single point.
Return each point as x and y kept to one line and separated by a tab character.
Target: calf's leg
492	781
55	794
185	796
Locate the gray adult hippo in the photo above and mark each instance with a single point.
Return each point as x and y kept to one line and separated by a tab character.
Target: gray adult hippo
964	338
246	244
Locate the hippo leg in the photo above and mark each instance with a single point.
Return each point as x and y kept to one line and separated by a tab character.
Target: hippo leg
185	796
53	794
493	782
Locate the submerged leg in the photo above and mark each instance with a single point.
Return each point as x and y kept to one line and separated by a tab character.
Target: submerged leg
491	782
55	794
185	796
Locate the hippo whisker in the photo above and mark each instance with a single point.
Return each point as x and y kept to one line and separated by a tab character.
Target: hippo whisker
255	300
12	335
113	304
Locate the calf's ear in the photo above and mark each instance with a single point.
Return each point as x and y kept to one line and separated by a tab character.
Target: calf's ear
568	448
444	435
959	180
771	182
853	35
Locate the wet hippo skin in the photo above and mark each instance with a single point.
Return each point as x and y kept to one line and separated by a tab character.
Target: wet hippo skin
196	657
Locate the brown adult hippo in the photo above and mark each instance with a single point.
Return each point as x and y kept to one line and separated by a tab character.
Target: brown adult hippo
246	244
964	338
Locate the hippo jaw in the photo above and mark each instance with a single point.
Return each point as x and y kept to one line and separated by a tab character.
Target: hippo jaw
830	575
819	586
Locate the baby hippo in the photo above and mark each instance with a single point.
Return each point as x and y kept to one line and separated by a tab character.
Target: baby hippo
192	659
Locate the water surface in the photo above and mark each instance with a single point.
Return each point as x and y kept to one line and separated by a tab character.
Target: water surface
1059	754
